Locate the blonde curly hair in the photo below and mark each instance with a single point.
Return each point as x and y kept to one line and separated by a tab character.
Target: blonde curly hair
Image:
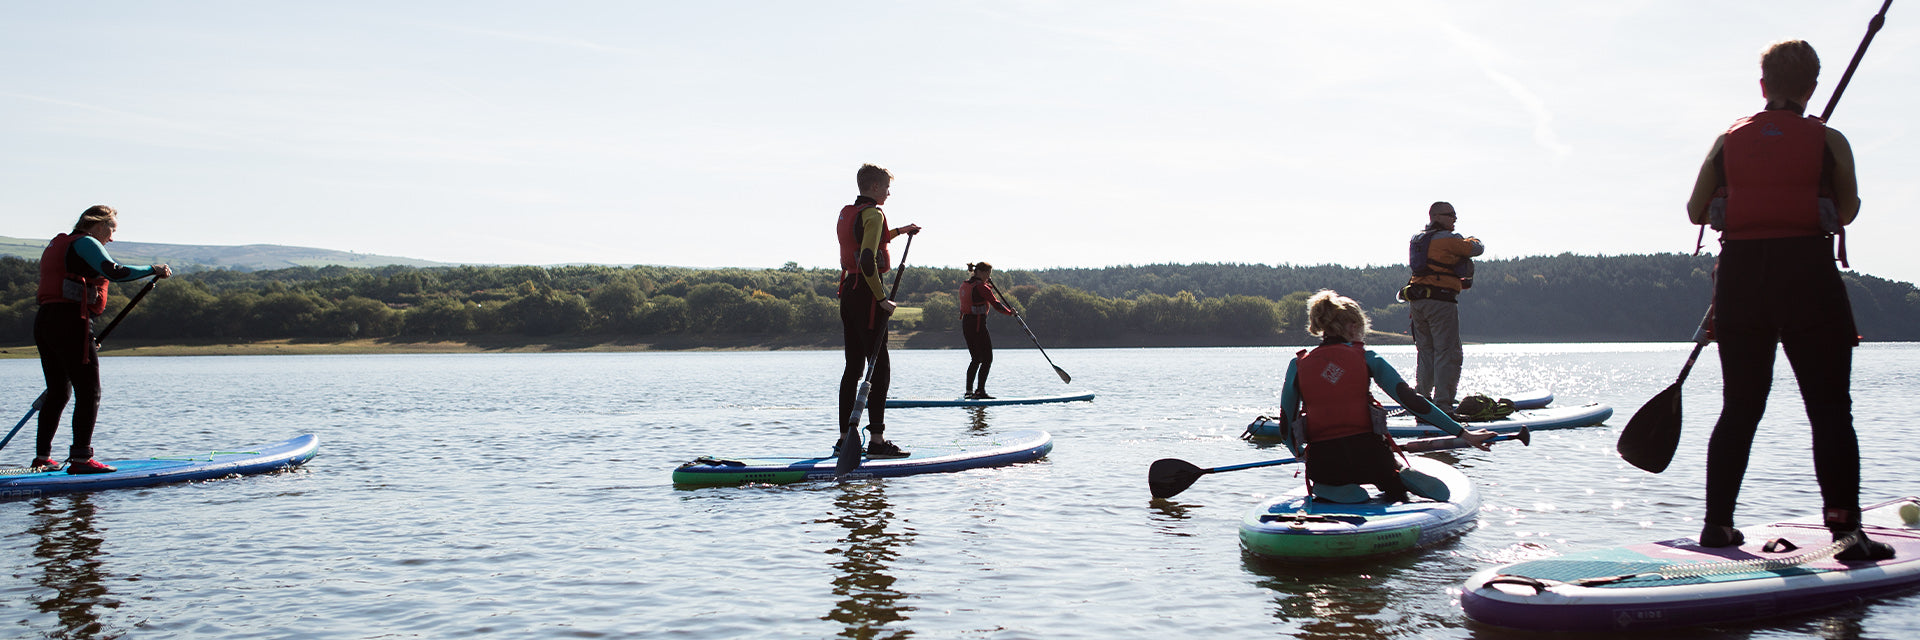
1329	312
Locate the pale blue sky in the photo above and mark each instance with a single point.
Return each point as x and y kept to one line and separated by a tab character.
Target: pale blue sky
1030	134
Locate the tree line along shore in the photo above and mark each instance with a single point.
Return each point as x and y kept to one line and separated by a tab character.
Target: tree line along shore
1564	298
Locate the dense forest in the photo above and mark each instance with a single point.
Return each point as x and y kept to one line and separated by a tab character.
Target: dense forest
1549	298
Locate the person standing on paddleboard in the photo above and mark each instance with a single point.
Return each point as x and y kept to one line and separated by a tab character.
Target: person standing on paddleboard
1779	185
1442	264
1341	430
977	298
864	307
74	272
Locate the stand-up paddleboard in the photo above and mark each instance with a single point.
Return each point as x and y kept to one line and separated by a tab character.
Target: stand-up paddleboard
1292	528
1677	583
1404	426
1265	428
904	403
959	455
1535	399
18	483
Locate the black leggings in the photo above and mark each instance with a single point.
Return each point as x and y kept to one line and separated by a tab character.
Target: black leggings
65	338
866	335
973	327
1783	292
1356	459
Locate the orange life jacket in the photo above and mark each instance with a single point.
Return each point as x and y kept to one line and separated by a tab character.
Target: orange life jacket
1773	162
59	281
1332	381
849	232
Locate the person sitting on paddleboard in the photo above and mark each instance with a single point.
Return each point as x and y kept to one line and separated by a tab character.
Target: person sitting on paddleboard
864	307
1341	430
74	272
1779	186
977	297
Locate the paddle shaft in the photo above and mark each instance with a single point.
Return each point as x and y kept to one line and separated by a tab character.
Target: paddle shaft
1416	446
96	345
1036	343
873	355
1873	27
1700	339
849	454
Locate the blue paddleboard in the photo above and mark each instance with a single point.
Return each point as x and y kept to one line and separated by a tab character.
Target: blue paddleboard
960	454
17	483
903	403
1292	528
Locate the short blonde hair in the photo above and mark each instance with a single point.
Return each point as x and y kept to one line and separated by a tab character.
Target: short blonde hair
1327	310
96	214
871	176
1789	68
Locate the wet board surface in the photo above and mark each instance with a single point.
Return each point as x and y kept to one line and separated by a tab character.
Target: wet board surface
165	469
908	403
1549	595
1405	426
960	454
1290	528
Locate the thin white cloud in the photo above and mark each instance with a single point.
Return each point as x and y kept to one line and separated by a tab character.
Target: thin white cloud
1484	56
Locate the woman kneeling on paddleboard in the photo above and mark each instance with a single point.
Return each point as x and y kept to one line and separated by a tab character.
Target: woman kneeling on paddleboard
1341	431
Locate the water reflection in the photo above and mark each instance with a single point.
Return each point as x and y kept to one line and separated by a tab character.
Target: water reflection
977	419
870	602
1336	601
69	552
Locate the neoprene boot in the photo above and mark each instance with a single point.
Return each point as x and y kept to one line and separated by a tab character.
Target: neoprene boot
879	447
1846	522
45	463
1720	535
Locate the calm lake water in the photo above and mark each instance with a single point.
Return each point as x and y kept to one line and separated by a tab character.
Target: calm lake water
529	495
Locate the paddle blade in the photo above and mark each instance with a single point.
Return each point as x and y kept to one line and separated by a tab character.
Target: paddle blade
1063	374
1170	476
1653	434
849	453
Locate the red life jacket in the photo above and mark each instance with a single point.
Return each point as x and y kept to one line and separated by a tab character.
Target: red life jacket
1773	162
970	291
59	283
849	232
1332	381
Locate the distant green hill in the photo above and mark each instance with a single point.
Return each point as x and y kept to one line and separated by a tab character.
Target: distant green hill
252	257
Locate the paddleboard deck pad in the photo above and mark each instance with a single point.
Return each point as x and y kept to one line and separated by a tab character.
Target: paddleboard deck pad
1677	583
1289	528
958	455
1266	428
162	470
907	403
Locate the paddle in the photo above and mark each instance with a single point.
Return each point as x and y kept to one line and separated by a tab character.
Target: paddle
1652	436
1036	344
96	343
1167	477
850	444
